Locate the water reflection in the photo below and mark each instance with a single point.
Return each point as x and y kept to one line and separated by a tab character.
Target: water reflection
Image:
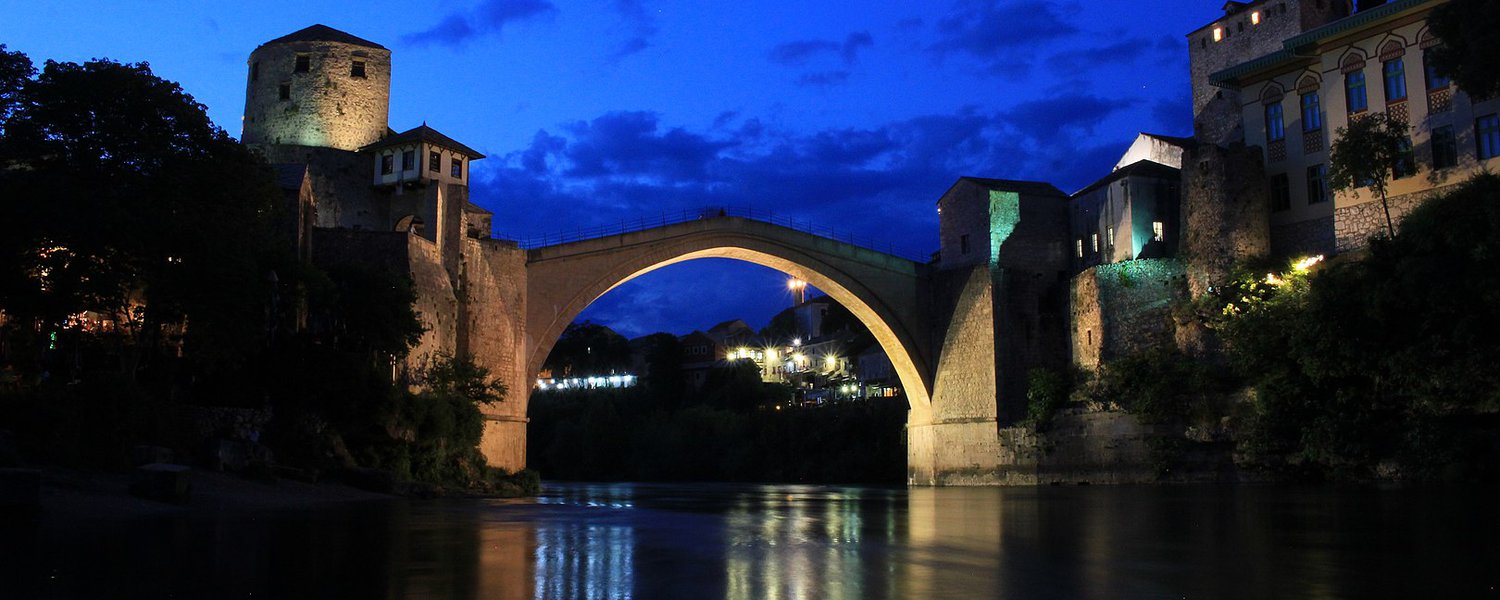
725	541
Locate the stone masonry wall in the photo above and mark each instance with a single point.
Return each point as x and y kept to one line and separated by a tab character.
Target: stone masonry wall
1225	212
1315	236
1124	308
495	337
1353	225
340	183
328	106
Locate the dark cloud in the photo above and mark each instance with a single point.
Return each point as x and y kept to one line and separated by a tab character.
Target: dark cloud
488	18
1001	34
629	144
823	78
875	184
1051	117
639	21
798	53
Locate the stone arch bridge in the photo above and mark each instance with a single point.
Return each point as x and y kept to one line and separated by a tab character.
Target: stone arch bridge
937	326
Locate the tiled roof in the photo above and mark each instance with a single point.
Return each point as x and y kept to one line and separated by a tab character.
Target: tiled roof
423	133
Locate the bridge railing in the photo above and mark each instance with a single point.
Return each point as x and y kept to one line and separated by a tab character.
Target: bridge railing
672	218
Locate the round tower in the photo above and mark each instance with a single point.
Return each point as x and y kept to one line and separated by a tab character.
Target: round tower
317	87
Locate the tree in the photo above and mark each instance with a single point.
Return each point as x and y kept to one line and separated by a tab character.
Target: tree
124	199
15	70
1364	155
589	348
1470	32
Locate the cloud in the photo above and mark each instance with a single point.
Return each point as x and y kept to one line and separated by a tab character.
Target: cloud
875	182
1174	116
488	18
823	79
642	25
800	52
1002	35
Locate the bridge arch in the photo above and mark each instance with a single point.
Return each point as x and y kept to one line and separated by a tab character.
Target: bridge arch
886	293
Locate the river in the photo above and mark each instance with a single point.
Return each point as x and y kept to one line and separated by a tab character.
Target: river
653	541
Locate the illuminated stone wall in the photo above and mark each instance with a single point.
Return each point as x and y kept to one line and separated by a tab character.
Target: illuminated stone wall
494	334
1122	308
327	107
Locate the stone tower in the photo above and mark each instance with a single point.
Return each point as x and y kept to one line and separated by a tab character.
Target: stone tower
317	87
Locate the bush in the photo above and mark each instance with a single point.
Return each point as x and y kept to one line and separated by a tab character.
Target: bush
1046	393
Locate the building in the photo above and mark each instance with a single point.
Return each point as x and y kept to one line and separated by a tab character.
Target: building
1291	97
316	107
1134	211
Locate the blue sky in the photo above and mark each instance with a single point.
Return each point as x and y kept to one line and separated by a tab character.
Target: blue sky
854	115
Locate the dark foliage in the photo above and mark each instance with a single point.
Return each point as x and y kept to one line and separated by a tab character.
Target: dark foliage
1470	32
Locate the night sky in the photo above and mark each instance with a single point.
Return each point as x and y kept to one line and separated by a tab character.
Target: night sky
851	115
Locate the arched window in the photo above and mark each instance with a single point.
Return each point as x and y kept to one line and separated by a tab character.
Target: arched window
1354	83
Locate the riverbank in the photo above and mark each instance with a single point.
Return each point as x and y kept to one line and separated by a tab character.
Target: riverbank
77	494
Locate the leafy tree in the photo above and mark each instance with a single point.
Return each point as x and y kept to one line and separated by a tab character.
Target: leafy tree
1365	154
124	199
589	349
1470	31
15	70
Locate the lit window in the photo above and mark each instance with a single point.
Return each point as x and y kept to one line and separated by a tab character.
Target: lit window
1395	80
1110	236
304	63
1444	147
1312	112
1317	183
357	69
1094	241
1354	91
387	164
1255	18
1487	135
1281	193
1434	80
1078	248
435	162
408	160
284	91
1406	162
1275	129
457	168
1218	34
1157	231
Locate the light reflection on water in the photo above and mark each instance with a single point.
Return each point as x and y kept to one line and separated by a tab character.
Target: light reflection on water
789	541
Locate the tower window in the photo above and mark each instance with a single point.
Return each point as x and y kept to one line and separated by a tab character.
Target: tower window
408	160
304	63
255	71
457	168
357	69
435	162
1078	248
1218	34
1094	242
1158	231
1255	18
963	244
284	91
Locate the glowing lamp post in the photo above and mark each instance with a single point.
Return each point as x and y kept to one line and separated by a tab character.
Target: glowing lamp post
799	290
